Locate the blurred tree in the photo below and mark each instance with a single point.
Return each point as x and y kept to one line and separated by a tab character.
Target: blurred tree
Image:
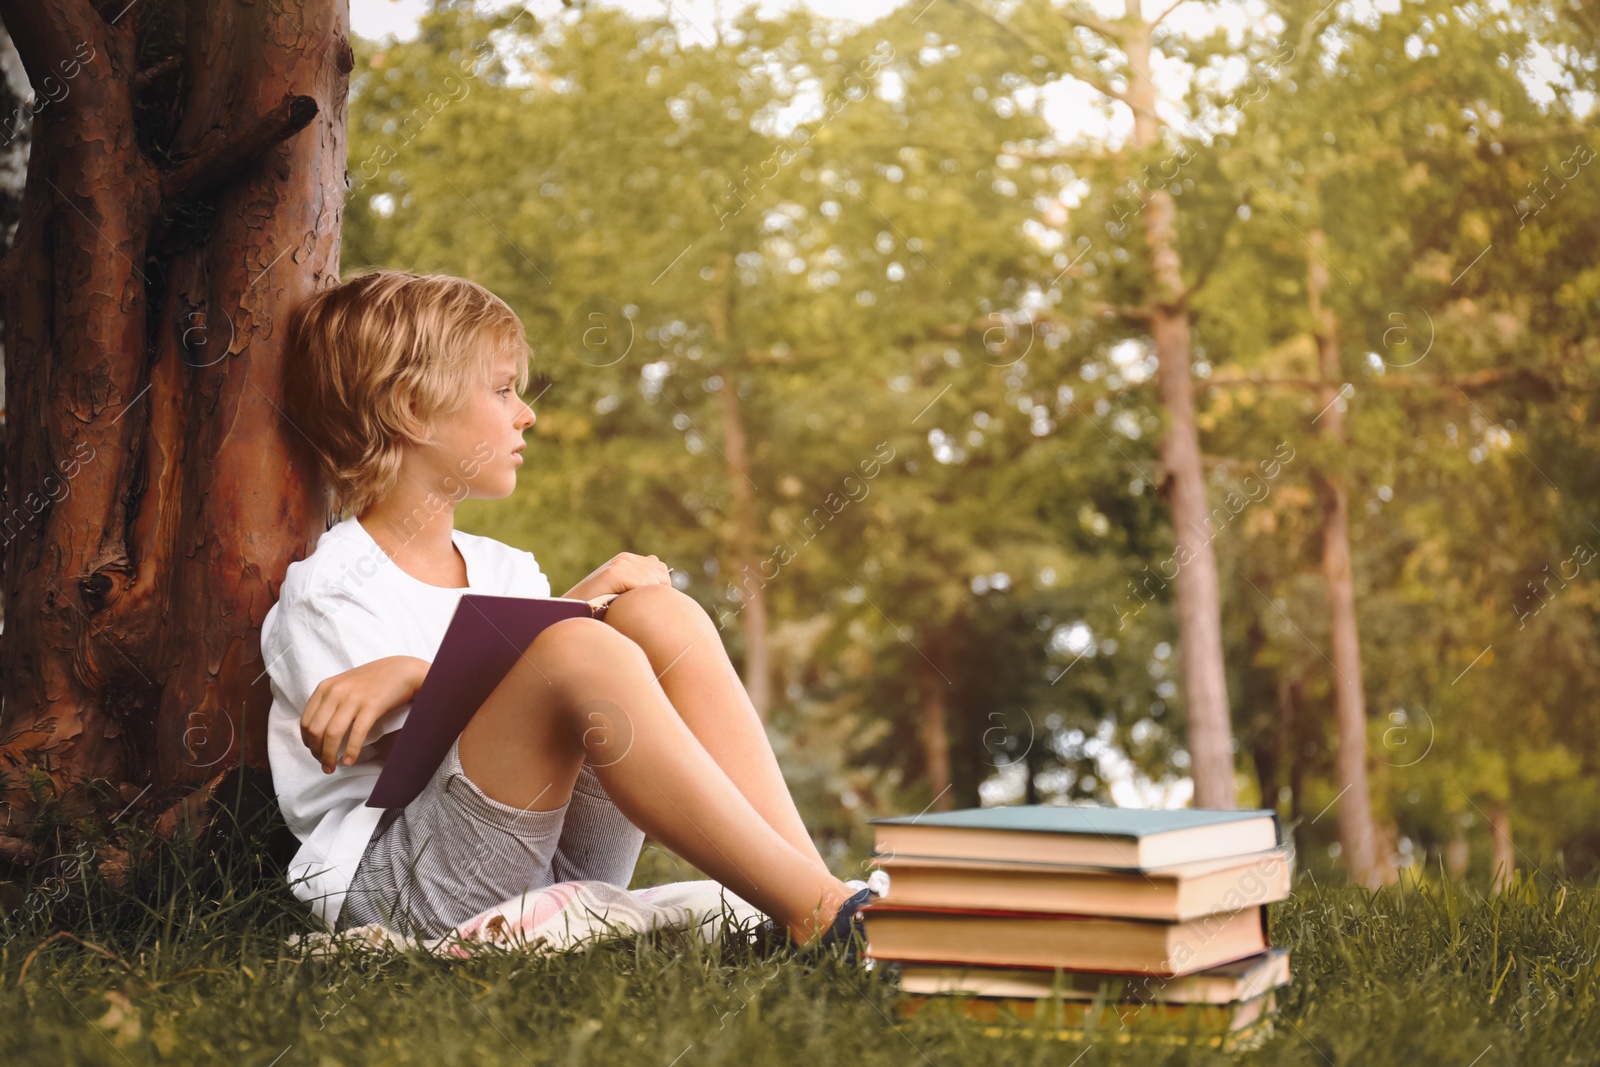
1114	56
848	335
1390	166
846	232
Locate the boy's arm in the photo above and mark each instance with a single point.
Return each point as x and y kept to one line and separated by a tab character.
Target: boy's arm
624	571
311	638
344	707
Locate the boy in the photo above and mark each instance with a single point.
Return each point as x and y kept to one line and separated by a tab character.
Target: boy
407	388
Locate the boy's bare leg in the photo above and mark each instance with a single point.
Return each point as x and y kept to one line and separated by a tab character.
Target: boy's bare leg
583	690
692	666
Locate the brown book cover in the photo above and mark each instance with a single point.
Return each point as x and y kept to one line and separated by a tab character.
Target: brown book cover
1240	980
1216	1025
1010	938
1170	894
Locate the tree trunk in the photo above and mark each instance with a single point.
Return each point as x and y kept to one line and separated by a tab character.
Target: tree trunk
1198	594
1456	853
1291	752
1269	770
16	122
1357	840
153	494
1503	853
1265	744
747	576
750	580
1030	771
935	727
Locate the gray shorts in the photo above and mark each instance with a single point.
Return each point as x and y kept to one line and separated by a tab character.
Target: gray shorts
454	852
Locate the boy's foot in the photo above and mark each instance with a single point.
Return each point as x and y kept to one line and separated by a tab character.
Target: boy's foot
771	938
844	930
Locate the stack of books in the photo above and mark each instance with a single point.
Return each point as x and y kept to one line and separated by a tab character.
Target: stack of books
1084	920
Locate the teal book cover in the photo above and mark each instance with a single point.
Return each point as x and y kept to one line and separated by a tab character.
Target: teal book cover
1062	819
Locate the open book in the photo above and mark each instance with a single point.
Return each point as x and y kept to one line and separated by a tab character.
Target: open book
486	636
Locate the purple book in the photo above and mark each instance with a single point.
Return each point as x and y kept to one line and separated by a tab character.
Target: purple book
486	636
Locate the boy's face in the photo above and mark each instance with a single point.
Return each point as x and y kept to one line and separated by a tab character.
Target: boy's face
476	447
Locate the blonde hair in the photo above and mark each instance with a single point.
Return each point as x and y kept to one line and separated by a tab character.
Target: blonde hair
384	349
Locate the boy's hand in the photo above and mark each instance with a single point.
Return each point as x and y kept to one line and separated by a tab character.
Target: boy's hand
624	571
347	705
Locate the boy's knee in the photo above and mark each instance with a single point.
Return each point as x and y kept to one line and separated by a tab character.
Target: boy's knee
575	633
645	602
579	645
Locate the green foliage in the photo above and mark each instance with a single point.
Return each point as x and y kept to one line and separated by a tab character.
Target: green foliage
867	249
1412	140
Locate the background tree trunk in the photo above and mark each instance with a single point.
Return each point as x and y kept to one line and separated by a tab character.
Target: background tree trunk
1357	840
1166	315
154	494
1456	852
747	566
1503	853
1291	750
935	726
746	570
1198	592
1030	771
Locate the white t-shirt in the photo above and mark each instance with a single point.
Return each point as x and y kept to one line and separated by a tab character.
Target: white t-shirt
344	605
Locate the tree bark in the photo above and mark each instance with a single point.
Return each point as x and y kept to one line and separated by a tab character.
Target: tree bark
1358	841
1503	853
935	727
154	495
1030	771
1264	725
1291	752
750	580
1198	591
747	576
1456	852
16	122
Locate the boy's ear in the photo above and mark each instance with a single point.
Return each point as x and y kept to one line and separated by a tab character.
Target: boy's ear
408	418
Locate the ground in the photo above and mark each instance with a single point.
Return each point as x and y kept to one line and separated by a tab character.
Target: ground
186	965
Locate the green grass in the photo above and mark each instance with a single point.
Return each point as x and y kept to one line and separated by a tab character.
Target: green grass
189	965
